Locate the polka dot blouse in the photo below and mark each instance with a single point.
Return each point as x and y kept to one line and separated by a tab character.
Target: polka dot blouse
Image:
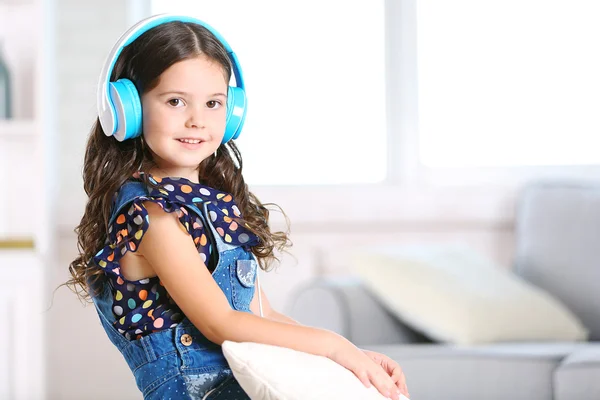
144	306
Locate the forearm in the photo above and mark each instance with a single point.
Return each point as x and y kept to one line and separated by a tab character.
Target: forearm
277	316
246	327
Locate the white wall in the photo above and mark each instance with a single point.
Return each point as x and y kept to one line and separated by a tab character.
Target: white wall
81	361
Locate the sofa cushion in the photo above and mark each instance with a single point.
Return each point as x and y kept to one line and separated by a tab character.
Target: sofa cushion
578	377
455	295
558	245
502	371
345	306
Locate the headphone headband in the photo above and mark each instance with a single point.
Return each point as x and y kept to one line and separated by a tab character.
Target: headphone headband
106	108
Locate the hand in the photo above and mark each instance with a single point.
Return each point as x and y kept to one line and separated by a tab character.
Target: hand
365	368
392	368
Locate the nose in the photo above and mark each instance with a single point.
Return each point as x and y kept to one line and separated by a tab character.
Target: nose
195	118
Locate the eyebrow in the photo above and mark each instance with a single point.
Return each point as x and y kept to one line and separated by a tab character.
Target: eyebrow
187	94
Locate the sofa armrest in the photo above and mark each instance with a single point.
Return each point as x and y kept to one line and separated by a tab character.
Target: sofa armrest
344	305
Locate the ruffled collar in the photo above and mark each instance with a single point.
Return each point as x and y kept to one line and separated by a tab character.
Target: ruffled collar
222	209
183	190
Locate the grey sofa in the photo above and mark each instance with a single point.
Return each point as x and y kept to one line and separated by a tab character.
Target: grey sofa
557	248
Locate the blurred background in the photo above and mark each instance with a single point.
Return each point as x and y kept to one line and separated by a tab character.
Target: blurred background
370	122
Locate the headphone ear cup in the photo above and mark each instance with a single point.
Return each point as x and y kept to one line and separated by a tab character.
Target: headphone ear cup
128	108
236	113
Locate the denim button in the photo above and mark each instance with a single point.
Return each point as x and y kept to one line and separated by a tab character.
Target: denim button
186	339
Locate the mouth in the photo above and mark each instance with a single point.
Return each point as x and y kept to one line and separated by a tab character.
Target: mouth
190	141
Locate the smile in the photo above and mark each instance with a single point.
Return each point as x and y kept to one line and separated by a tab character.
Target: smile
191	141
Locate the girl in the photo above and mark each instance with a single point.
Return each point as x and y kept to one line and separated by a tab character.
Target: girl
171	237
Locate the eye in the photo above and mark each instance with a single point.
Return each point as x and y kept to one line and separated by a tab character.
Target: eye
176	102
213	104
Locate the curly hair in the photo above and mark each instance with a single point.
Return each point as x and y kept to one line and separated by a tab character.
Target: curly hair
109	163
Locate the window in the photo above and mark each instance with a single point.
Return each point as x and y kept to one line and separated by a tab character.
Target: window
508	83
315	80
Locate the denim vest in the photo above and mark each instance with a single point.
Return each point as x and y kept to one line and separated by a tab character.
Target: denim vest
180	362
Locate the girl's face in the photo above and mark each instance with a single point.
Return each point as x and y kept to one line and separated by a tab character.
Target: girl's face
184	116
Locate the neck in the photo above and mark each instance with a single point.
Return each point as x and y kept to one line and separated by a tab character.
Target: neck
191	175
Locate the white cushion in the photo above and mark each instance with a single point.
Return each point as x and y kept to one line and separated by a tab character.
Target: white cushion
268	372
455	295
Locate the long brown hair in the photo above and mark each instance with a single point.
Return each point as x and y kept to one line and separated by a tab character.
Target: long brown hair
108	163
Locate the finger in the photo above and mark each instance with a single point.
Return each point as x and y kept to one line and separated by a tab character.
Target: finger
381	374
363	376
405	391
389	365
400	381
387	378
396	374
404	386
383	383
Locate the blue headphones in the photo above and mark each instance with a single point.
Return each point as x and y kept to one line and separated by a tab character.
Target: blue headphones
119	105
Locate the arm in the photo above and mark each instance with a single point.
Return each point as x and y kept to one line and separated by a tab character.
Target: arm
171	252
175	260
390	366
277	316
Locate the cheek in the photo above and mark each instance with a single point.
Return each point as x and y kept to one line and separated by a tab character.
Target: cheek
221	122
152	127
148	117
155	120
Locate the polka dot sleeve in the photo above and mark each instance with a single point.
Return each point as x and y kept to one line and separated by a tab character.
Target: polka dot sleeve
128	229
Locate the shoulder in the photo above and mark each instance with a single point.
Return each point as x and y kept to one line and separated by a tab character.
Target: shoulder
138	217
162	222
160	210
166	236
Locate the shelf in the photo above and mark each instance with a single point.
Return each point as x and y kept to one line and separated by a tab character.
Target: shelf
16	243
17	128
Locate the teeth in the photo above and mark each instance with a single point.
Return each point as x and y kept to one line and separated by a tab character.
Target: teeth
194	141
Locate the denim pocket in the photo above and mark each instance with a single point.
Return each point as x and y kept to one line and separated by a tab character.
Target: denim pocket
199	385
229	389
243	276
246	272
